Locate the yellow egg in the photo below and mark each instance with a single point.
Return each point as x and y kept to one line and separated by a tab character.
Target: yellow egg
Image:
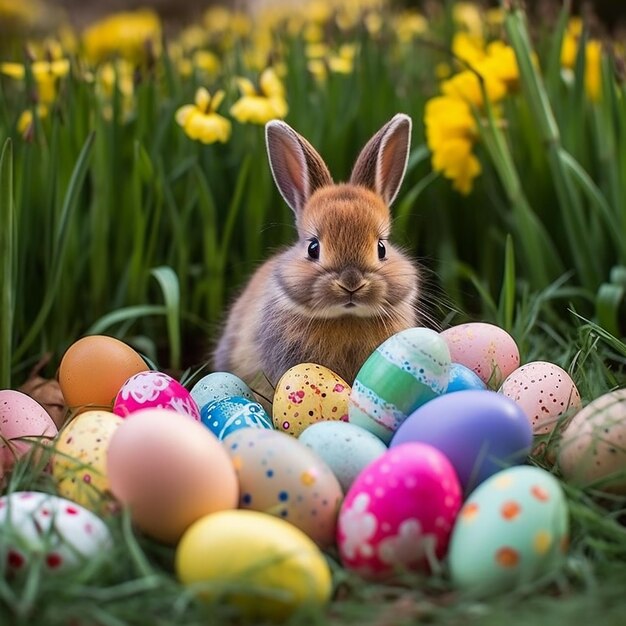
79	463
94	368
309	393
261	564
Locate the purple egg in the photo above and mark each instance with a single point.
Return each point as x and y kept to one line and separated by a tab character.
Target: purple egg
481	433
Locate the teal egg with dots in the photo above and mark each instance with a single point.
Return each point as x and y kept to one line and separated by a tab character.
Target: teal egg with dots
281	476
219	385
224	417
403	373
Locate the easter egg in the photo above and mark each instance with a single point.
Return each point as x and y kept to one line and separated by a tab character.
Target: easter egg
259	563
279	475
462	378
404	372
512	530
43	530
481	432
79	461
170	471
488	350
223	417
22	417
544	391
94	368
346	448
308	393
217	386
592	451
154	390
399	512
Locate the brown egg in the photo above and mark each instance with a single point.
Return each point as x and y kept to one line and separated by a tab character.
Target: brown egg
94	368
170	470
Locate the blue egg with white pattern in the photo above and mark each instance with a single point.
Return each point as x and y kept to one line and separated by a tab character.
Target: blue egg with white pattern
228	415
219	385
462	378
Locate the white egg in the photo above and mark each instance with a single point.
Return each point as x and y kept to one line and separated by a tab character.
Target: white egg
40	526
217	386
346	448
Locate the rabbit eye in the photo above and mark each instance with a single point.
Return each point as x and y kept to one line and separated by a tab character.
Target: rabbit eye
314	249
382	251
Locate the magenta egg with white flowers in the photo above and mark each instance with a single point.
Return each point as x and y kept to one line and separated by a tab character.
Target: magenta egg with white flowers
154	390
399	513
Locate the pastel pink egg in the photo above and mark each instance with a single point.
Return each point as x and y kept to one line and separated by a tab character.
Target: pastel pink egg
488	350
400	510
154	390
21	416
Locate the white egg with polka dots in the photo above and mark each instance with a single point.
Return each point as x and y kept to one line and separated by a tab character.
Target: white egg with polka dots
40	527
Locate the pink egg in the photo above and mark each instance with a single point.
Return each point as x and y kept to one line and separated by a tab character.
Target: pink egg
544	391
488	350
21	416
154	390
398	512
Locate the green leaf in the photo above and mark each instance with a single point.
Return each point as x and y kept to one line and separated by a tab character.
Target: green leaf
7	256
125	314
608	302
170	287
506	307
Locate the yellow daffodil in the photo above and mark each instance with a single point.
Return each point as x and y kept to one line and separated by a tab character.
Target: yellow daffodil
373	23
466	85
500	63
259	107
132	35
409	25
200	120
450	133
25	122
206	62
469	49
468	15
45	73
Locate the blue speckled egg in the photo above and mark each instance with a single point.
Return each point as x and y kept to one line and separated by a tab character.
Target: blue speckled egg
346	448
403	373
462	378
223	417
219	385
279	475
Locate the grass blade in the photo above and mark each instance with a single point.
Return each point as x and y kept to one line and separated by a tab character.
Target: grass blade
7	255
168	281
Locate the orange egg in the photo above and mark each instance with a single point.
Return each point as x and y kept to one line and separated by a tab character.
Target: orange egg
170	471
94	368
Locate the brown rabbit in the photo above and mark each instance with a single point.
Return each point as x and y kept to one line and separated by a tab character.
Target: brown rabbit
342	288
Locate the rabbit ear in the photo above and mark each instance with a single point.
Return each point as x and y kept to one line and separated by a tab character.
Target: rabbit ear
297	168
382	162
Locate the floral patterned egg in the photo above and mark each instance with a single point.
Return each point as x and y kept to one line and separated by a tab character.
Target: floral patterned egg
512	529
404	372
154	390
226	416
399	512
486	349
309	393
39	527
281	476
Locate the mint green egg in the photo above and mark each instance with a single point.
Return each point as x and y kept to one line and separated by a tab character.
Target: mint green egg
404	372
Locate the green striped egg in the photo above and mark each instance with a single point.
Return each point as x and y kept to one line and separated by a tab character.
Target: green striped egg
404	372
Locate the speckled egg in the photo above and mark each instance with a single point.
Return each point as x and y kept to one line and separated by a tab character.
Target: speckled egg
224	417
79	462
20	417
43	530
488	350
279	475
154	390
592	451
262	565
399	512
404	372
512	530
346	448
481	432
462	378
219	385
544	391
308	393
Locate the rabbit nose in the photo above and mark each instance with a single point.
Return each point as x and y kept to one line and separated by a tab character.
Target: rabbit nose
351	279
